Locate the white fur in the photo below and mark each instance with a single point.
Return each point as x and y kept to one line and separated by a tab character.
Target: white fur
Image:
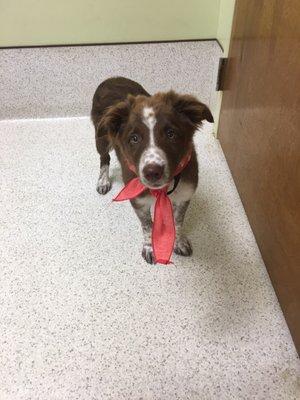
146	201
104	184
150	121
183	192
153	154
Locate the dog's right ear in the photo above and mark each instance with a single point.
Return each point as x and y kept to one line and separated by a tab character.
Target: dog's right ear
189	107
114	117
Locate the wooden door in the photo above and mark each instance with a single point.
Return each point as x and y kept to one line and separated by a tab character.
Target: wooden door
259	131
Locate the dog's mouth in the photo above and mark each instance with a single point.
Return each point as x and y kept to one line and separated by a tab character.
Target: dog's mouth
161	183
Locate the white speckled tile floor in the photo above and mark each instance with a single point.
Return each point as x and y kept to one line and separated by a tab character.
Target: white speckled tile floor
83	317
61	81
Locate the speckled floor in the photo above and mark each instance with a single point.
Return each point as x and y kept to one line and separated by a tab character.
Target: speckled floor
83	317
61	81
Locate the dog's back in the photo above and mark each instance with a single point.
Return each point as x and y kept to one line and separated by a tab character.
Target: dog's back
110	92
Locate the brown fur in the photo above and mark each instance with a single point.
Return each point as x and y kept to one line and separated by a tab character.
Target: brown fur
117	114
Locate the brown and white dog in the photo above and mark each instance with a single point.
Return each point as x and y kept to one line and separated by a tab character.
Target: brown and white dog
153	133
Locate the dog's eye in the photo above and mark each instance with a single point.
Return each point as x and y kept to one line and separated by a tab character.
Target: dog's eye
170	133
134	138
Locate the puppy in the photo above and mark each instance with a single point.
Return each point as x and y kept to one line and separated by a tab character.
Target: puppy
153	134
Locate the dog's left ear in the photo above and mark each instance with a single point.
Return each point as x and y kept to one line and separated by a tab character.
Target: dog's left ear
114	116
189	107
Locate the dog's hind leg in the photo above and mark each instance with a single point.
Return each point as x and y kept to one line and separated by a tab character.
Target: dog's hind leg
103	147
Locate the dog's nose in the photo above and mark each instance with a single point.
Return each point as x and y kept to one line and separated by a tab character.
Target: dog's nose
153	172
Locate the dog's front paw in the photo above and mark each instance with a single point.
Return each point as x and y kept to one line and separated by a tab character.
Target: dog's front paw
147	253
183	247
103	184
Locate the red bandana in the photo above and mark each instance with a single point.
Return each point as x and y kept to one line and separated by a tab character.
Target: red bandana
163	230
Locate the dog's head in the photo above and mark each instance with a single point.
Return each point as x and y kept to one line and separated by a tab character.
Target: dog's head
154	133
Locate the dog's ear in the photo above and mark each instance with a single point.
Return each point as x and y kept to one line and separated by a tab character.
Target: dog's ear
189	107
114	117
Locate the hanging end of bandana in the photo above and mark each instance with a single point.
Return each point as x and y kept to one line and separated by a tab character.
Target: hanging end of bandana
131	190
164	262
117	199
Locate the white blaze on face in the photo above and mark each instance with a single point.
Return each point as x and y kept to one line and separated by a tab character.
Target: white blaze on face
152	154
150	121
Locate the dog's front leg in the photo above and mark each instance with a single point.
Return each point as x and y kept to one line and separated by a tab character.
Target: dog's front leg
182	246
144	214
103	147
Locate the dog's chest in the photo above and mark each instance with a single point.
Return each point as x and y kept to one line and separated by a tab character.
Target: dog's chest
182	193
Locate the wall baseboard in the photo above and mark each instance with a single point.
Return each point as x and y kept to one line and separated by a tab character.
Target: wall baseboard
113	43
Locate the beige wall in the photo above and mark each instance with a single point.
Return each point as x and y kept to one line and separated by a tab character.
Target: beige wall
42	22
226	10
45	22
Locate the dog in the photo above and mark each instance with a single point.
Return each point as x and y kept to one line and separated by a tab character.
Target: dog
153	134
